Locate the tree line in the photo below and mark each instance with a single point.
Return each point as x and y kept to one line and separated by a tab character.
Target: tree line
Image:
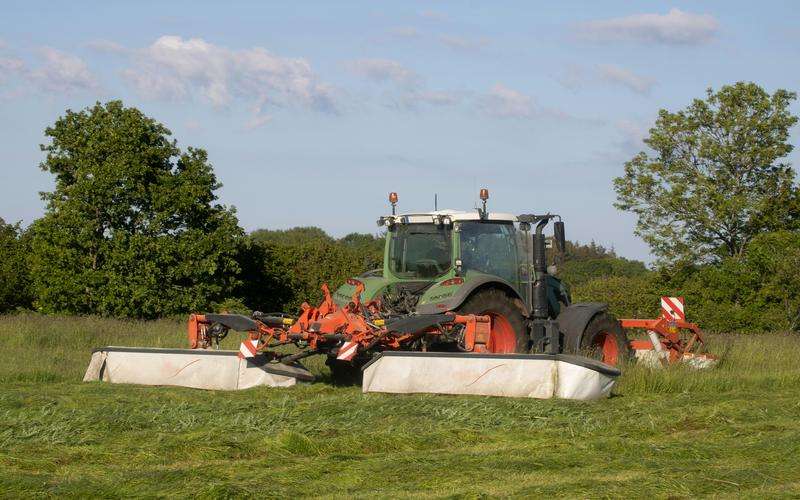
133	226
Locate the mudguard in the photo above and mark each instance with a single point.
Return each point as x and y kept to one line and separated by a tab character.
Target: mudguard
472	284
573	320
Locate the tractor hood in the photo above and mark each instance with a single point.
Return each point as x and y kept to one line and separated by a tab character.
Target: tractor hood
433	297
373	286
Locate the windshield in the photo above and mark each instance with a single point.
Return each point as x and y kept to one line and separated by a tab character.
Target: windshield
420	250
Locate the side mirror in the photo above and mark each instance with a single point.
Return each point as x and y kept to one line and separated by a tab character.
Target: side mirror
560	237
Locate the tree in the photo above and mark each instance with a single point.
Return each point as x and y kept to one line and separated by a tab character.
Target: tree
287	267
715	178
132	227
14	279
293	236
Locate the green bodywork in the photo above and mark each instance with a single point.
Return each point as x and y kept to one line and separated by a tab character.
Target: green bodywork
442	294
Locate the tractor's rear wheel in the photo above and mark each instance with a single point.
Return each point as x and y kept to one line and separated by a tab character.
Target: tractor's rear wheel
508	327
605	340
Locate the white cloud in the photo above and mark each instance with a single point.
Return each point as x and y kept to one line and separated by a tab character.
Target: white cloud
414	99
177	68
383	70
675	27
58	72
11	65
575	77
433	15
405	32
107	46
410	92
463	44
626	78
257	121
504	102
62	73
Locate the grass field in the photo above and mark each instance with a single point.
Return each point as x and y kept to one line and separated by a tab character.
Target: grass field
732	431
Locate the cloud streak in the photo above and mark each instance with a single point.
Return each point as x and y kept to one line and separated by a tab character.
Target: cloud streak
673	28
463	44
411	92
575	77
505	102
384	70
176	68
57	73
626	78
405	32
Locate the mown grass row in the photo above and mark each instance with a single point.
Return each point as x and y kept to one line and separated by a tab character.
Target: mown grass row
730	431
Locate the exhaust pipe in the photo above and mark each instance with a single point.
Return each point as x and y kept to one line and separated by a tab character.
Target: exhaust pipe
540	307
545	334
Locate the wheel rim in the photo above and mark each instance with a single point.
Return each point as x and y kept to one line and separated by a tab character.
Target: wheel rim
605	345
502	338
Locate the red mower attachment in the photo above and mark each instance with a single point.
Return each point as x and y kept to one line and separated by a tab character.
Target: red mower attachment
349	333
672	339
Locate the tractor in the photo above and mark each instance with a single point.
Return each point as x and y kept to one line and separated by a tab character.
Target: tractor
486	264
463	286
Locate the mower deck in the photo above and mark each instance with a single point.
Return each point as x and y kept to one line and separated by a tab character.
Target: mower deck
541	376
195	368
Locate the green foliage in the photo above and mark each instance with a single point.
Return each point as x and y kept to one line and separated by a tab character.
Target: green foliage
758	292
14	275
596	274
293	236
636	296
584	262
775	258
576	251
285	268
715	178
132	227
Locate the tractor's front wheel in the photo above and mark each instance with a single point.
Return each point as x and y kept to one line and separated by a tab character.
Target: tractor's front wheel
508	327
605	340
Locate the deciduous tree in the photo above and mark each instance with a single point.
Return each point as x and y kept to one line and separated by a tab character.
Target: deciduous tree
133	226
716	176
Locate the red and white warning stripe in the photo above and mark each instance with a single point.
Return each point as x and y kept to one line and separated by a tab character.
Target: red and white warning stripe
347	351
673	308
248	349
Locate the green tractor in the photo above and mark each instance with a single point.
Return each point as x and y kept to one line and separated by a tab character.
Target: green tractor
487	263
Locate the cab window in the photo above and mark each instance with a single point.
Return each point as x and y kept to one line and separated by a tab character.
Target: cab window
490	248
420	251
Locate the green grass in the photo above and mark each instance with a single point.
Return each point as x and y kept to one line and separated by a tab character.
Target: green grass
731	431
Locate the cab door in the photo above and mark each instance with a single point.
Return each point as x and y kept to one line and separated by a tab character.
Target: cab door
490	247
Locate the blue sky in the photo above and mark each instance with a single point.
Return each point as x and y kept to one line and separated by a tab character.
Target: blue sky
312	113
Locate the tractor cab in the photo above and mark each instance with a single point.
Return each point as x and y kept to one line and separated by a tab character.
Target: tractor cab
435	261
448	243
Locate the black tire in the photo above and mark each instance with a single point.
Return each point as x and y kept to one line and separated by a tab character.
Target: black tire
496	302
344	372
605	340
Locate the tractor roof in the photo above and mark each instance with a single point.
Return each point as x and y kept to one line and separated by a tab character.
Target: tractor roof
454	215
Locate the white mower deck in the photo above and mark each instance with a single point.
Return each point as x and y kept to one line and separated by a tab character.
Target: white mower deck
540	376
196	368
